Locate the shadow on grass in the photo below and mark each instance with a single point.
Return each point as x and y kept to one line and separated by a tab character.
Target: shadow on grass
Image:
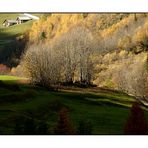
11	91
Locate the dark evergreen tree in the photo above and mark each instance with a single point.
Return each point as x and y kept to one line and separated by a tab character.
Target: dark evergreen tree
135	17
43	35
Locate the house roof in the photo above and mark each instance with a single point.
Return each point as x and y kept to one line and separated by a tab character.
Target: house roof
23	18
31	16
10	21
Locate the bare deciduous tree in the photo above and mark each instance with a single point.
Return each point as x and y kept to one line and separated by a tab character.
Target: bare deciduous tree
68	59
42	65
77	48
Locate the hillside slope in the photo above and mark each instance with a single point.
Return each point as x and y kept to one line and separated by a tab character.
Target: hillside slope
118	50
106	110
12	39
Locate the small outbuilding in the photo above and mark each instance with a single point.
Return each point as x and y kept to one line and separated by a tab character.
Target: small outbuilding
22	19
31	16
8	23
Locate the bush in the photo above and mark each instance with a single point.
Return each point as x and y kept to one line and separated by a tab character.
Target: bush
4	69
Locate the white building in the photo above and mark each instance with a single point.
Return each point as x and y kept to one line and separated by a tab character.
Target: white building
31	16
8	23
22	19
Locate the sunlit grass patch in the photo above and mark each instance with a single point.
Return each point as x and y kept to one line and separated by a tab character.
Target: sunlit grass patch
9	78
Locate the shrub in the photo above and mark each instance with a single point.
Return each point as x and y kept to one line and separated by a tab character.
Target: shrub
4	69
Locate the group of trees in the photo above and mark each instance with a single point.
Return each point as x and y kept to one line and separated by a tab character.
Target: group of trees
124	71
136	124
66	49
64	126
132	77
68	59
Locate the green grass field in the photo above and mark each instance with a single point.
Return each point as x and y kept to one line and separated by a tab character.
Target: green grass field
106	110
4	16
8	35
10	78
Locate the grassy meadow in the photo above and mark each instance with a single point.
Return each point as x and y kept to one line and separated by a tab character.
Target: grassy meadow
87	71
106	110
8	36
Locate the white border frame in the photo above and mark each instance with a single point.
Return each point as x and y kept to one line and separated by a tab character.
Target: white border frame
73	5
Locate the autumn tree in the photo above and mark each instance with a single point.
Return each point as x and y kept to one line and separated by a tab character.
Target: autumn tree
77	48
42	65
4	69
136	123
64	125
132	77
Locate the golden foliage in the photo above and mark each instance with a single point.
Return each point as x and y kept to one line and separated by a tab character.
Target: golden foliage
124	42
54	26
141	33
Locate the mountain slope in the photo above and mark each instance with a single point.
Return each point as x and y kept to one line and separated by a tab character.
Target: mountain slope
12	39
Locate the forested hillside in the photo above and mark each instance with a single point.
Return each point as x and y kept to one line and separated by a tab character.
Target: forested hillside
75	74
108	50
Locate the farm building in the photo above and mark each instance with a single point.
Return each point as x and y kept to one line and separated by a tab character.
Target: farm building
23	19
8	23
31	16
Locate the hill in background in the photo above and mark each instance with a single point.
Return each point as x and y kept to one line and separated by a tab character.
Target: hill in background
118	43
13	39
